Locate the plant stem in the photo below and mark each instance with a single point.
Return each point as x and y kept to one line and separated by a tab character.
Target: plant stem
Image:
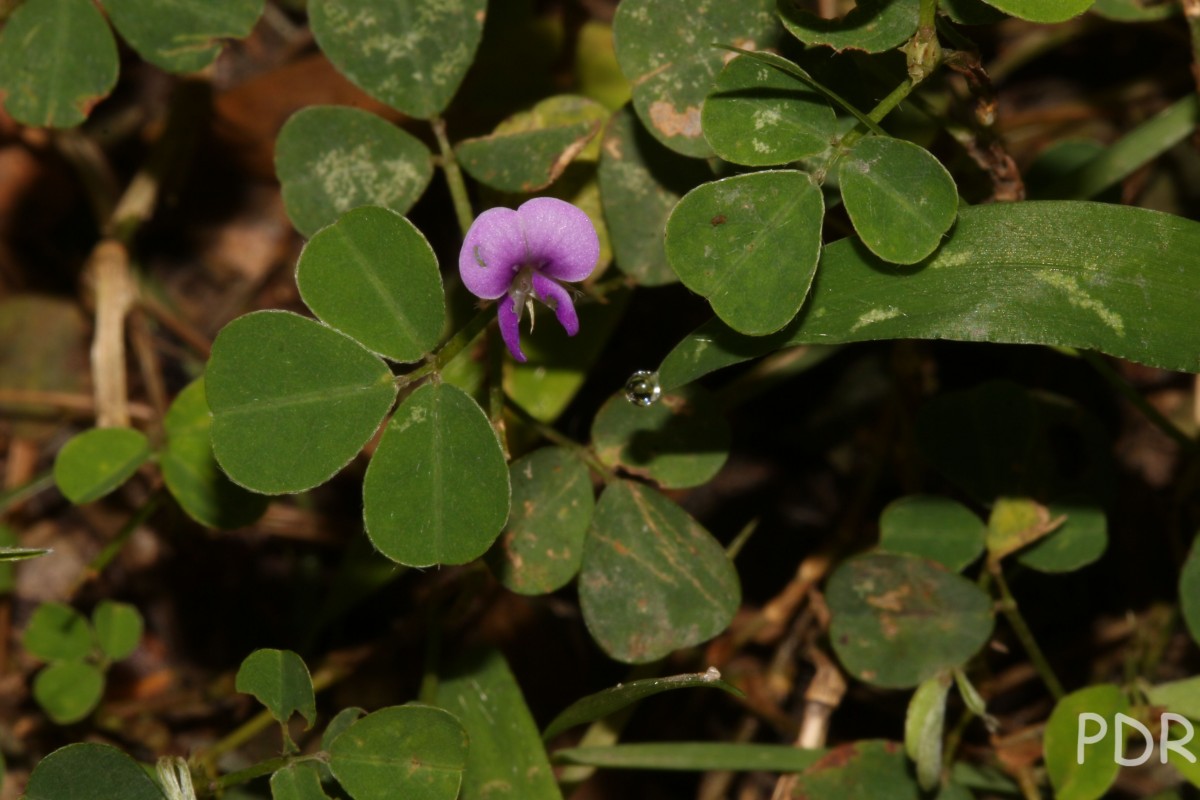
451	348
454	176
928	14
1123	388
18	494
584	453
876	115
259	770
110	551
1008	604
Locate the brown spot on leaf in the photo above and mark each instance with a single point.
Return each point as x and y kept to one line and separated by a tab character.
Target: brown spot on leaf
891	601
719	219
671	122
836	758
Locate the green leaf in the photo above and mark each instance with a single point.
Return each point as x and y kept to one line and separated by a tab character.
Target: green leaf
437	489
506	757
665	49
680	441
1189	590
936	528
640	183
1135	10
90	771
299	781
1079	541
182	35
292	401
924	726
8	554
341	720
1091	779
971	12
597	73
763	117
57	60
98	461
873	25
552	504
1016	522
410	54
899	197
68	690
750	245
374	277
1182	697
331	159
530	150
714	345
57	631
881	605
864	770
653	580
1043	10
609	701
693	756
279	680
415	752
118	628
190	470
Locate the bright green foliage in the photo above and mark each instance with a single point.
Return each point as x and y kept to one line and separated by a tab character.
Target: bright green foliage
1182	697
750	245
653	580
373	276
873	25
97	461
697	756
899	197
680	441
182	35
292	401
437	489
1043	10
118	629
410	54
552	503
68	690
301	781
1189	590
279	680
937	528
331	159
664	49
57	60
762	117
609	701
924	726
863	770
506	756
1080	540
90	771
881	605
1091	779
190	470
640	183
57	631
415	752
341	720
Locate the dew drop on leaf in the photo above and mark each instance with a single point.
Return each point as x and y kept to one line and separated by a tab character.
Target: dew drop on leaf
642	388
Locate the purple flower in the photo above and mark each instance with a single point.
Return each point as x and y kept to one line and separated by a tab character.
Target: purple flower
527	253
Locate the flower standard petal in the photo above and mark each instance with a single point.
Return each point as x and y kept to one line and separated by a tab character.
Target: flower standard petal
558	299
510	327
561	239
492	252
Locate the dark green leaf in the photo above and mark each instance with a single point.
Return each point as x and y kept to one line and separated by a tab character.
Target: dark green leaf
693	756
665	49
301	781
118	628
924	727
57	59
1079	541
552	503
653	580
437	489
1189	590
57	631
410	54
609	701
331	159
1091	779
873	25
1043	10
68	690
1135	10
182	35
750	245
98	461
971	12
374	277
415	752
714	345
341	720
90	771
897	620
292	400
865	770
937	528
279	680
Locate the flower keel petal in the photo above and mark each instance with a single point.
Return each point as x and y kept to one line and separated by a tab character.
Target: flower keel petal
561	239
558	299
510	327
492	252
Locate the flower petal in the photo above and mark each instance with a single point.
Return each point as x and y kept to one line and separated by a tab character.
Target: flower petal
510	327
558	299
562	241
493	251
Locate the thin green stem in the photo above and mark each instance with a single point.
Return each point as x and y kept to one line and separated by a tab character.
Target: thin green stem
259	770
928	14
881	110
113	548
451	348
584	453
1008	605
454	176
19	494
1123	388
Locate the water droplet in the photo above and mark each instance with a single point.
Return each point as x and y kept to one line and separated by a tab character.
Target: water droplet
642	388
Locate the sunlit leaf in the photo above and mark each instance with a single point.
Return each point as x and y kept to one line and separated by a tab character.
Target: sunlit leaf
98	461
924	727
1090	779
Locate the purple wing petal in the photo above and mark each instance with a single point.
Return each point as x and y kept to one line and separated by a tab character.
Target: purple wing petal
492	252
562	240
510	327
558	299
